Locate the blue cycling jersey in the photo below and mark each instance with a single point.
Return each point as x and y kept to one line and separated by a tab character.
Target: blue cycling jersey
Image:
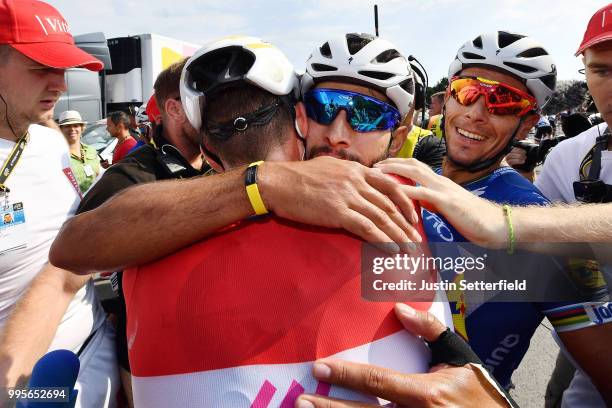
499	332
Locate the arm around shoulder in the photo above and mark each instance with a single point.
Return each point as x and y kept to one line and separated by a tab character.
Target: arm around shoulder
148	221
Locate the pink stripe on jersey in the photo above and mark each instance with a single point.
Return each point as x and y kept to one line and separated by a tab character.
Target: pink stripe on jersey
323	389
295	390
263	398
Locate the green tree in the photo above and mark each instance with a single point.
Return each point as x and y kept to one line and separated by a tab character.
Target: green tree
440	86
569	95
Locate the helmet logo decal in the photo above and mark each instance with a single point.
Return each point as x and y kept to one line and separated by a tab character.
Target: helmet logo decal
350	60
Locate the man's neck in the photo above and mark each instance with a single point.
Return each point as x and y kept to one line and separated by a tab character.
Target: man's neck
462	176
276	154
75	148
122	137
181	141
7	133
191	153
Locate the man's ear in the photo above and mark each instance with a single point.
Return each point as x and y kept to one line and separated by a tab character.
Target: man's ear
528	123
301	120
218	167
174	109
398	139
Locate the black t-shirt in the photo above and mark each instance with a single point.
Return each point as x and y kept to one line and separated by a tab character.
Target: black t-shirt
141	166
144	165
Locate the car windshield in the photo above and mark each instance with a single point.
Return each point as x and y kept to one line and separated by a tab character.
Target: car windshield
97	136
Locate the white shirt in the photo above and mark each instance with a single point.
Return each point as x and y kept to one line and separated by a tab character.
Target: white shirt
41	182
561	167
556	180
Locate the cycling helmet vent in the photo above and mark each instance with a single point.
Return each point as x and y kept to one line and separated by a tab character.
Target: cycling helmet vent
519	55
470	55
550	81
504	39
323	67
241	64
377	75
520	67
229	61
356	42
532	53
234	61
364	60
408	85
387	56
325	50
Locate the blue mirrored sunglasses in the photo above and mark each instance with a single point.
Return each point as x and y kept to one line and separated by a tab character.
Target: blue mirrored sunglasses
363	113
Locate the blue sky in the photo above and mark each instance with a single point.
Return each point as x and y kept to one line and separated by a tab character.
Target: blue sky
431	30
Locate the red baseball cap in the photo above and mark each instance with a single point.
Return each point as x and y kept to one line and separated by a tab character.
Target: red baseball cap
152	110
38	31
598	30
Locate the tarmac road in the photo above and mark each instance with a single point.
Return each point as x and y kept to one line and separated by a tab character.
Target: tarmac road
531	377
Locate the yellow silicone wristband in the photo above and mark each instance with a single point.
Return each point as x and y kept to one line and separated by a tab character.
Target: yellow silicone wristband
508	215
253	191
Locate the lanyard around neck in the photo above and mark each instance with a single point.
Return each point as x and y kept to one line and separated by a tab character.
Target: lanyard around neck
82	150
12	160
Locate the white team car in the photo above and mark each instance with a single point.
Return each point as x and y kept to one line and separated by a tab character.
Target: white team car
96	136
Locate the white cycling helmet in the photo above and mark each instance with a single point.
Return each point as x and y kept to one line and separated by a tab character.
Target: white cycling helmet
517	54
230	61
364	60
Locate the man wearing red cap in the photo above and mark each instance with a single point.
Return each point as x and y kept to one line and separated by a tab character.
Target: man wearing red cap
580	169
152	111
42	307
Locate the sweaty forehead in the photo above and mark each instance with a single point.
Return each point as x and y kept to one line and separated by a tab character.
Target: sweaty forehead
354	88
495	75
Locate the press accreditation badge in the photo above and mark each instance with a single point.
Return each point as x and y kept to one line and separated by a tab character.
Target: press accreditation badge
13	229
88	170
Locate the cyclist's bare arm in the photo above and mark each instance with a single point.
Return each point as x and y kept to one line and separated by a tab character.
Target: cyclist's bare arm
152	220
483	222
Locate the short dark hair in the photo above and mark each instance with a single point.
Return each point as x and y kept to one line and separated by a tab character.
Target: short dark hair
254	143
439	95
118	117
167	84
574	124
